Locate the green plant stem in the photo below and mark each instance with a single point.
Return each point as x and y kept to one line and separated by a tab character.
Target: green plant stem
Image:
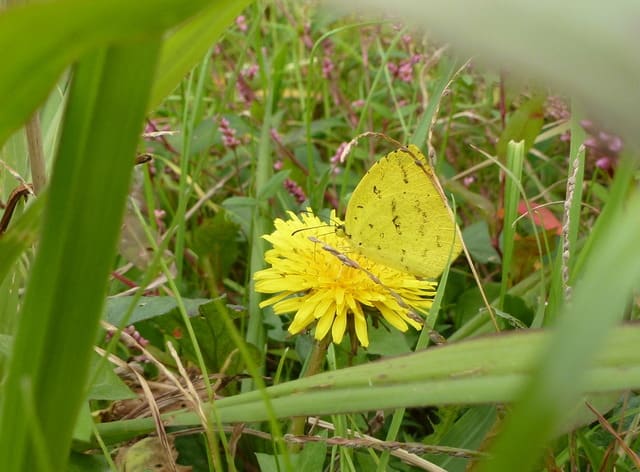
36	154
314	366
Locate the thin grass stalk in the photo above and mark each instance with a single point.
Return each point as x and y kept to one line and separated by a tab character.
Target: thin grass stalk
570	234
256	334
515	158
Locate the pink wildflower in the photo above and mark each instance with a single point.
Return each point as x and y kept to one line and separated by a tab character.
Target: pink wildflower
276	136
250	71
241	23
338	158
468	180
245	90
228	135
405	72
327	63
306	36
295	190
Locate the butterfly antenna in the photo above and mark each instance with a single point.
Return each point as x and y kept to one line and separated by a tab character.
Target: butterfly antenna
300	230
368	134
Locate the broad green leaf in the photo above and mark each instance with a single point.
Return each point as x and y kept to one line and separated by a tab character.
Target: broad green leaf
106	384
468	432
38	41
146	308
523	125
478	241
48	368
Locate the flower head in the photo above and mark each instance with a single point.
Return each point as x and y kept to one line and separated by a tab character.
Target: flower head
311	278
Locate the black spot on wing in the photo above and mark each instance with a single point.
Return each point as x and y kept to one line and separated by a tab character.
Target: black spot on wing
404	171
396	223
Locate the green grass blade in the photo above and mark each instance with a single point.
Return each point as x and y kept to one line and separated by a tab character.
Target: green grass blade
186	46
38	41
422	133
515	160
483	370
566	258
49	365
599	301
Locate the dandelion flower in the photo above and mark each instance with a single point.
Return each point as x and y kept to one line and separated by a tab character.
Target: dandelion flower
333	288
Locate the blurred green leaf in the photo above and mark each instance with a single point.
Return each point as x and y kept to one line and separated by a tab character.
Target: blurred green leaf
41	39
478	241
83	428
524	124
147	308
579	336
189	43
6	342
585	52
217	240
63	301
106	384
468	432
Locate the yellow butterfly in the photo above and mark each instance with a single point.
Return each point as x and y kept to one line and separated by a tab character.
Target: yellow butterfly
399	217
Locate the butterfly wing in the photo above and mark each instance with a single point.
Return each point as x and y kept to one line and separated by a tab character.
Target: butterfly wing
399	218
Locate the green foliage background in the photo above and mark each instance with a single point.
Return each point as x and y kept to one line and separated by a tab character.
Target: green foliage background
124	58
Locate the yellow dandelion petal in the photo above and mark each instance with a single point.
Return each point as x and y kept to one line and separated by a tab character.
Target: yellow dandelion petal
279	284
273	300
392	317
326	305
299	324
289	305
324	324
339	294
360	323
303	318
312	280
339	326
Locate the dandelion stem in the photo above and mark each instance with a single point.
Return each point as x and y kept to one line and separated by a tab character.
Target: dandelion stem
314	366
